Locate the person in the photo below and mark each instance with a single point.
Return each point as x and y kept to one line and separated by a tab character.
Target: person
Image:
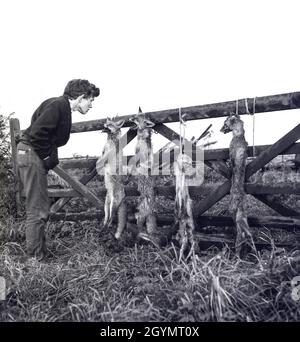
37	154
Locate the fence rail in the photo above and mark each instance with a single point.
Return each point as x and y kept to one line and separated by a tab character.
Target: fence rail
261	104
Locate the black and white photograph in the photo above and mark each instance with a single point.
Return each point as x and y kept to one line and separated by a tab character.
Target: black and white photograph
149	164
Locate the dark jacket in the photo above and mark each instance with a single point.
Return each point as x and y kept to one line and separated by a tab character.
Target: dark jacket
50	126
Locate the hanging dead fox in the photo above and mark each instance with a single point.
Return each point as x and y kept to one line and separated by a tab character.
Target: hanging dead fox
145	215
238	155
111	160
183	204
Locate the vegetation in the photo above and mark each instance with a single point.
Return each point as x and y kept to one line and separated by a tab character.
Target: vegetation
87	277
7	202
88	280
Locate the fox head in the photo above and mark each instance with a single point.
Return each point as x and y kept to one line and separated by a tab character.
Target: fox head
141	121
112	125
231	123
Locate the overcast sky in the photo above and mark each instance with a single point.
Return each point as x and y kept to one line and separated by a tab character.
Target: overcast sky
157	54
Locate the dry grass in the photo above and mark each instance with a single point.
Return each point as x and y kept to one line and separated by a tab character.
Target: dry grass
88	279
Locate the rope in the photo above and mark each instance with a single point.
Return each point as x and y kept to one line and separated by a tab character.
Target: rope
253	123
246	105
253	127
180	138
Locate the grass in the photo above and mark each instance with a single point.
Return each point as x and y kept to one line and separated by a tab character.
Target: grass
87	280
90	278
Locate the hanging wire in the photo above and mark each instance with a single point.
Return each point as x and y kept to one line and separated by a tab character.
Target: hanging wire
180	139
253	123
246	105
253	127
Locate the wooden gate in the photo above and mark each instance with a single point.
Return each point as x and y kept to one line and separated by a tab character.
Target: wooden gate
214	158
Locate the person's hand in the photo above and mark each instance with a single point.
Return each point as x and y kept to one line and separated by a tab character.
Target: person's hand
51	161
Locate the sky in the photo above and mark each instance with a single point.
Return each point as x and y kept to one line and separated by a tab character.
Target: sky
157	54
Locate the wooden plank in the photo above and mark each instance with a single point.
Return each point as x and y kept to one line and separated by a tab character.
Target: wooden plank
275	222
129	191
126	138
194	191
213	154
63	193
223	153
14	126
78	186
101	192
78	163
273	151
264	221
99	214
220	167
263	104
278	188
280	208
168	133
212	198
260	192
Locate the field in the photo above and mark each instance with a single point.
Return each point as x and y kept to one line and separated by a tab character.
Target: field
88	277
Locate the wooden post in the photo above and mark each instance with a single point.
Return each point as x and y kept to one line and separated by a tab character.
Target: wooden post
14	125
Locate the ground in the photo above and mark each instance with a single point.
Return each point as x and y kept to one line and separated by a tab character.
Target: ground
85	279
88	277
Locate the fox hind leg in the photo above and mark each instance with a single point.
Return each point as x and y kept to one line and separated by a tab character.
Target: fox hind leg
122	220
151	225
106	209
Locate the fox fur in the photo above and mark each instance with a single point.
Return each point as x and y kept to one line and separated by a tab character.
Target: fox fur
183	206
115	204
238	155
145	215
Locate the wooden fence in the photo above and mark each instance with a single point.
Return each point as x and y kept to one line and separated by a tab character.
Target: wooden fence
213	158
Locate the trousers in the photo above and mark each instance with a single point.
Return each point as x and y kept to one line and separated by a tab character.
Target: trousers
33	178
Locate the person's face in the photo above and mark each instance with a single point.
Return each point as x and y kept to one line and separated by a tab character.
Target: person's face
85	104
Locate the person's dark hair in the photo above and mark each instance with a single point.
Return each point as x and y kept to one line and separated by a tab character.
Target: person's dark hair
78	87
